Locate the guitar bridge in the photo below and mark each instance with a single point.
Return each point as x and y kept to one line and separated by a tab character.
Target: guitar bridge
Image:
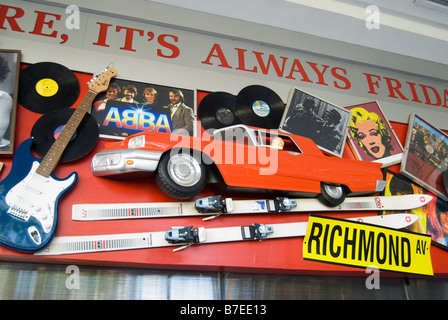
18	212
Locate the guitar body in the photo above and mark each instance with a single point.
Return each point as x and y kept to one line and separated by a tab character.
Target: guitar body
28	202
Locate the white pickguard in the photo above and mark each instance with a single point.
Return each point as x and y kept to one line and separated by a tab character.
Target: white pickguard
36	196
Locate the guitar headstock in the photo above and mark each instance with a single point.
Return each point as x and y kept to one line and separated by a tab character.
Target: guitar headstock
101	82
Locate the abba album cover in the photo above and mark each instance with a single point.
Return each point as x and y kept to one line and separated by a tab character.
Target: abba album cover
128	107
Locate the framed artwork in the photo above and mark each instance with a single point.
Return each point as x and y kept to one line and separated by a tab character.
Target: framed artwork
371	136
9	84
425	157
129	107
432	217
314	118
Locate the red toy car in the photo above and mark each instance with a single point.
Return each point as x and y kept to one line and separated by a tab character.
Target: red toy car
242	158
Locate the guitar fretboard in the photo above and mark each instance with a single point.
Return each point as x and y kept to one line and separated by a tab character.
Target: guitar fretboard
53	155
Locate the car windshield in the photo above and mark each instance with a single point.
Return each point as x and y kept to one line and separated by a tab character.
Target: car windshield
276	140
239	134
248	136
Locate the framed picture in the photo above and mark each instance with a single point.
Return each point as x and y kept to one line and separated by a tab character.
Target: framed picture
433	219
371	136
129	107
9	84
314	118
425	157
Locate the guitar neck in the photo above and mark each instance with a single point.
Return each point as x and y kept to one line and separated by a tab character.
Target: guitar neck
53	155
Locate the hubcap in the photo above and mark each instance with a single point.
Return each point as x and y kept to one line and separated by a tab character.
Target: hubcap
184	170
334	191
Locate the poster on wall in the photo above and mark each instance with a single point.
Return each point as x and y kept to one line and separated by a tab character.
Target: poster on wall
9	80
432	219
371	136
425	156
129	107
317	119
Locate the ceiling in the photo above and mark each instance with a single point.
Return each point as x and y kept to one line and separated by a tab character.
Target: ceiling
416	28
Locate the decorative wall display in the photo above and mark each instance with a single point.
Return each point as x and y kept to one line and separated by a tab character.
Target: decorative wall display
432	216
371	136
317	119
130	107
9	80
425	156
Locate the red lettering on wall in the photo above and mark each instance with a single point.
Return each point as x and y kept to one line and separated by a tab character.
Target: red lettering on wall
319	73
394	87
345	80
242	61
271	61
174	49
41	22
371	83
129	38
297	67
435	94
445	98
216	52
18	13
413	91
102	35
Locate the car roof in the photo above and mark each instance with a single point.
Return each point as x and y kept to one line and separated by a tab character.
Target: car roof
305	144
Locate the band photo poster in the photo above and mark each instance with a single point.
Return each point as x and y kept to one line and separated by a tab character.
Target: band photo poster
129	107
9	84
371	137
308	116
425	156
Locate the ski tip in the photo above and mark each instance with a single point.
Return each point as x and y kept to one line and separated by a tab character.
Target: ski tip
424	198
400	220
408	218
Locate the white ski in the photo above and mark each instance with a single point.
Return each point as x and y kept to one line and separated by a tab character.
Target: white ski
186	236
215	206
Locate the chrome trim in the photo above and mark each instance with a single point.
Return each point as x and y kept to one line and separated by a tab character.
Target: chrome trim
380	185
113	162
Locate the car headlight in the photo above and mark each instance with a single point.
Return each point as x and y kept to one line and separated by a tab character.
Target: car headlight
136	142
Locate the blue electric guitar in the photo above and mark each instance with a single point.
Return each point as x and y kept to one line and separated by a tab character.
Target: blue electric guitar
30	193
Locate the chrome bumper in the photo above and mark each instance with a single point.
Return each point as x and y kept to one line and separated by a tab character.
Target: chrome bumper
380	185
113	162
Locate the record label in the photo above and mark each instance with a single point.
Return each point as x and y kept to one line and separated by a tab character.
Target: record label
225	116
49	126
47	87
217	110
58	131
261	108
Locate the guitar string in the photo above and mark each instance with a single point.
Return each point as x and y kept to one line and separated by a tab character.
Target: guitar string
47	165
34	182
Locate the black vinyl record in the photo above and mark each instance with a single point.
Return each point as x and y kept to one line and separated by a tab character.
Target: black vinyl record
47	128
259	106
47	86
218	110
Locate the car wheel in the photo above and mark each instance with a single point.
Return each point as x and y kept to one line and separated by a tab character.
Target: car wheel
181	175
332	195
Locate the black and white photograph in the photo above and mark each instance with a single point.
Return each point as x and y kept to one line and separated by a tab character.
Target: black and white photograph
9	77
317	119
